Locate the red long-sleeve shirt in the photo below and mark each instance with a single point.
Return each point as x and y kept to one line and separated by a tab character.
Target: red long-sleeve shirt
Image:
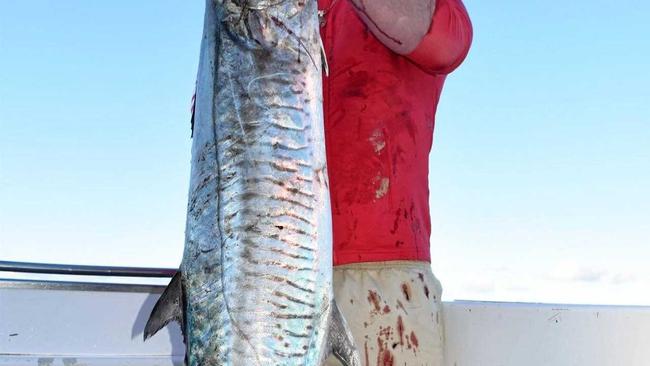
379	116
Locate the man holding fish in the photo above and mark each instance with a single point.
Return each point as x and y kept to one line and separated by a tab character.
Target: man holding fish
295	168
387	64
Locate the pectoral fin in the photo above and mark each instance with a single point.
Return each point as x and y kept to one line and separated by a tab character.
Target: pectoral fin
326	66
339	339
170	307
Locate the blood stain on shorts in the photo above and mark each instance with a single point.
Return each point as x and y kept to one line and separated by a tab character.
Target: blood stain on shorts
401	306
373	298
406	290
387	358
400	330
414	340
384	355
365	346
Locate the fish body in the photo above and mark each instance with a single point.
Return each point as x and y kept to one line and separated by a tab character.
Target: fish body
255	283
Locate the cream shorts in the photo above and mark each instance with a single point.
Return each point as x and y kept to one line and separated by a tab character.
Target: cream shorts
394	311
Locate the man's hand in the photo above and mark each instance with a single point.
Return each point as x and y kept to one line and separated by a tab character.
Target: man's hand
399	24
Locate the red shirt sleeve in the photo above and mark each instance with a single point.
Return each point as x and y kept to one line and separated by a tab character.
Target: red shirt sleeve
447	43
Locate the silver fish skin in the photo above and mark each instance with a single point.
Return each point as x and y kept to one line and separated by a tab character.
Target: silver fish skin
255	283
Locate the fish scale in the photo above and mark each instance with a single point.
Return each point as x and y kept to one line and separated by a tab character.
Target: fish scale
255	283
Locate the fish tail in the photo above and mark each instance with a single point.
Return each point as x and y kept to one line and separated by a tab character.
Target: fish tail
339	339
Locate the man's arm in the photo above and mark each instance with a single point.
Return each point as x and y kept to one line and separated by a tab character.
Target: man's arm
399	25
435	34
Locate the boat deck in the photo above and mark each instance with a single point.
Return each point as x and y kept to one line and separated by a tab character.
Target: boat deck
64	323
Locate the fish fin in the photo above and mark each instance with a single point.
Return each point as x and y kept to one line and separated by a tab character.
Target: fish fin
339	339
326	66
170	307
193	112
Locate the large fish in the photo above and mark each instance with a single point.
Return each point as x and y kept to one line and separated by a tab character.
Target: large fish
255	283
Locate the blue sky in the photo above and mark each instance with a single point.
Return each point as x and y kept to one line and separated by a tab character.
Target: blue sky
540	170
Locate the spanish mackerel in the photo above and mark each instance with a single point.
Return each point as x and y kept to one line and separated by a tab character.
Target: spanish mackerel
255	283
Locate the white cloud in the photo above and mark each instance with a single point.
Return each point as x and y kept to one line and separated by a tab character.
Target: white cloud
607	283
480	286
623	278
573	272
